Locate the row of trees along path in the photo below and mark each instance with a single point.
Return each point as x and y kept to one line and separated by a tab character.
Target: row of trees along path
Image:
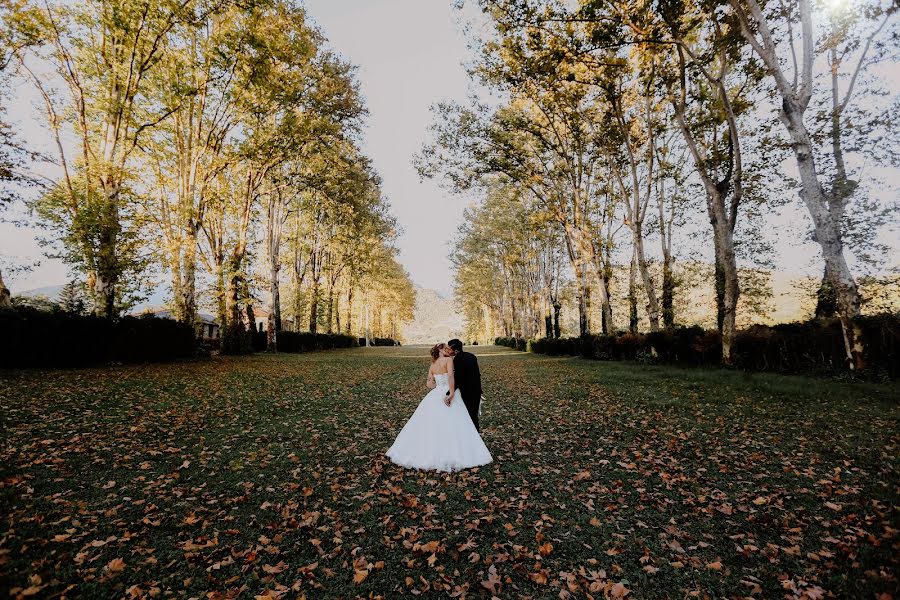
193	136
615	116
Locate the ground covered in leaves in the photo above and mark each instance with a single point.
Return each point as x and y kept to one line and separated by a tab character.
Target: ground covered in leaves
265	476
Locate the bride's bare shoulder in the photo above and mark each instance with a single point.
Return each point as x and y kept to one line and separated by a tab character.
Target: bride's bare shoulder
441	365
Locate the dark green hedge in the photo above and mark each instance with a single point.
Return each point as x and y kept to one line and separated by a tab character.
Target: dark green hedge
37	338
289	341
814	347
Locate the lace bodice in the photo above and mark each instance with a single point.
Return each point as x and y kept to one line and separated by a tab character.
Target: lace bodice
441	380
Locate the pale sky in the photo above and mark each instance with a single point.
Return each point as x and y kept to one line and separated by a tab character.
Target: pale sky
410	55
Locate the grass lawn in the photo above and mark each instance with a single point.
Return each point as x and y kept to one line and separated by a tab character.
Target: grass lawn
265	476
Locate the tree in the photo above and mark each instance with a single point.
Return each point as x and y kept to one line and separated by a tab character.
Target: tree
105	54
825	189
71	298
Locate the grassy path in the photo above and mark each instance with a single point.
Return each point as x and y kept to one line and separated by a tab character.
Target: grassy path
265	475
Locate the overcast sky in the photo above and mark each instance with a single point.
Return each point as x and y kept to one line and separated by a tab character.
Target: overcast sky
410	55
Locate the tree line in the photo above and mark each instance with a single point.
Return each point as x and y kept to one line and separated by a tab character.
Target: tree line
215	143
611	132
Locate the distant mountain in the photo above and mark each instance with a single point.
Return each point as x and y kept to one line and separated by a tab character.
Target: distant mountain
436	319
156	299
50	292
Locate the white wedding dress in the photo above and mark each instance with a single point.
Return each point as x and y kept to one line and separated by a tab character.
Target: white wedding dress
439	437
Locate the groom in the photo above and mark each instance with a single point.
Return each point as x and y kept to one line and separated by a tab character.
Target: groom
468	378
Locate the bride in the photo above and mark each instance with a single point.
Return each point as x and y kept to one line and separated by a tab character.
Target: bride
440	434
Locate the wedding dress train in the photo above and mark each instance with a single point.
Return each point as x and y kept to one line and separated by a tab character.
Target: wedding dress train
439	437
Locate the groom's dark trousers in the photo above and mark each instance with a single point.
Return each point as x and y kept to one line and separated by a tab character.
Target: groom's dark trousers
468	382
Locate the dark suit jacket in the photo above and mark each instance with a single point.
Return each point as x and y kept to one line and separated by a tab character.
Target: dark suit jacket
467	377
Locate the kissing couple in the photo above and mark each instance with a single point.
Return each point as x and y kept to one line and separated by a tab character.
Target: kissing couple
443	433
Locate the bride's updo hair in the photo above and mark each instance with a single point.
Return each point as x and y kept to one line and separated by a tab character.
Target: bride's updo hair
436	351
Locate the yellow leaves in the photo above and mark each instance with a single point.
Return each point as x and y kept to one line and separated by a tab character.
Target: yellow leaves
362	568
715	565
359	575
32	590
191	519
427	548
545	549
540	577
760	500
116	565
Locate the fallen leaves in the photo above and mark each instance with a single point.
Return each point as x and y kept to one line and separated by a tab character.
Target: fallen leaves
116	565
263	477
492	583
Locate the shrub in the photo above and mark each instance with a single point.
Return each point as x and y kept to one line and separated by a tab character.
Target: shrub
237	340
602	347
814	347
881	335
39	338
555	346
627	345
509	342
304	341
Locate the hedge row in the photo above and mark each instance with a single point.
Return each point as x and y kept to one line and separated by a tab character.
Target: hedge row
30	337
814	347
290	341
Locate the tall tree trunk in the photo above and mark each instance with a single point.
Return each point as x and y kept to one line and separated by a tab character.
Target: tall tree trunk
349	308
668	293
220	293
577	260
632	296
825	209
314	307
314	292
337	313
557	308
827	232
600	270
108	267
329	316
668	278
609	325
826	302
548	317
647	280
189	278
273	323
233	295
727	286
